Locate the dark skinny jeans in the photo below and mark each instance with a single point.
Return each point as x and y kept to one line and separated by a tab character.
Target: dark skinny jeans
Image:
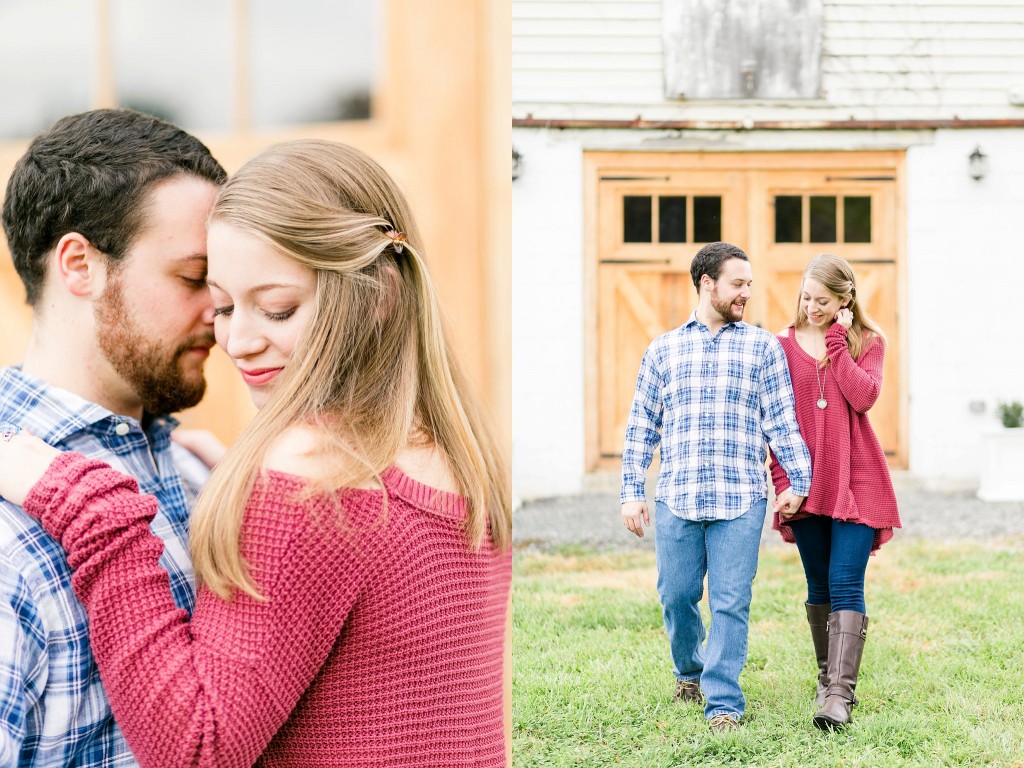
835	556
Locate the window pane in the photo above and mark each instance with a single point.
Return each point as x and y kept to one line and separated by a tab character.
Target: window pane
636	219
823	219
175	60
788	228
857	219
47	51
672	219
313	61
707	219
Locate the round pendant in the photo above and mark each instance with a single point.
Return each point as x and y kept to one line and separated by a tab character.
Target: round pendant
822	403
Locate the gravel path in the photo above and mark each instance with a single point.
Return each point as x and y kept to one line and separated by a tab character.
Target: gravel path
592	520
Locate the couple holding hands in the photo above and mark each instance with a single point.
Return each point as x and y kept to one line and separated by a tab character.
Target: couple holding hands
713	394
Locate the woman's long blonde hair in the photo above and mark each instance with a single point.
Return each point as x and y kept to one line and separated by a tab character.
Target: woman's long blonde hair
836	276
374	364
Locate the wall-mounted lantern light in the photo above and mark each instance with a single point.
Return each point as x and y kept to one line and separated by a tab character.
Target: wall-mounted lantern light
517	164
977	164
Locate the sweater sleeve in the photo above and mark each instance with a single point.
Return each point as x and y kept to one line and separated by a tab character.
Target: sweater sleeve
860	381
212	692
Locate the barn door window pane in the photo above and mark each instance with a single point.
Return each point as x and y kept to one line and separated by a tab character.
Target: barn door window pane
313	61
46	64
636	219
823	219
672	219
788	225
857	219
149	74
707	219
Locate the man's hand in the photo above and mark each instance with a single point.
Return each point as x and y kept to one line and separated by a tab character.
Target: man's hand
632	513
787	503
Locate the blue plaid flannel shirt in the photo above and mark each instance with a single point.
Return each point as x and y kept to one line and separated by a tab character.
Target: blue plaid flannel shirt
53	709
714	403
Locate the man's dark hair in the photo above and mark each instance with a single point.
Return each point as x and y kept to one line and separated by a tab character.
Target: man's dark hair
709	261
91	173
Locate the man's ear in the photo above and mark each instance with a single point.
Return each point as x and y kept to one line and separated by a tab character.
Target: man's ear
78	266
707	282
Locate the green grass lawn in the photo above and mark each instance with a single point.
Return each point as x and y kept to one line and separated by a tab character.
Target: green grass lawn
940	684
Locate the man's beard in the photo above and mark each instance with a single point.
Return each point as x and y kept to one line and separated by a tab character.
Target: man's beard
725	309
151	369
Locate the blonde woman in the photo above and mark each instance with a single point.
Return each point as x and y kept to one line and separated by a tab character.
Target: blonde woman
835	354
353	547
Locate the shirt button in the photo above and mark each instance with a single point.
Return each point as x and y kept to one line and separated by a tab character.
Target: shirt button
122	428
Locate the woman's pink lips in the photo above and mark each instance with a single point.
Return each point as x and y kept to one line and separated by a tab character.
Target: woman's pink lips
258	376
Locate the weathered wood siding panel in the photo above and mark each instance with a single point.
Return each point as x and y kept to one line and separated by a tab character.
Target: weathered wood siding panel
879	59
742	49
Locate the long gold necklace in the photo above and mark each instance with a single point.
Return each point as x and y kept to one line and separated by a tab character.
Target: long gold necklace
822	402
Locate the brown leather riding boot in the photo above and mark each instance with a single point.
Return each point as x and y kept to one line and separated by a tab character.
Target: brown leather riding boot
847	631
817	619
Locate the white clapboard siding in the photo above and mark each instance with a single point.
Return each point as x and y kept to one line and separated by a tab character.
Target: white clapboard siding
587	51
600	44
933	13
881	59
596	9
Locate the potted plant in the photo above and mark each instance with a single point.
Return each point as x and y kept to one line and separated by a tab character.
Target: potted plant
1011	414
1002	470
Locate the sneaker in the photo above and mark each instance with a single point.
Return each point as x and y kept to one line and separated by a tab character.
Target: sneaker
723	723
688	690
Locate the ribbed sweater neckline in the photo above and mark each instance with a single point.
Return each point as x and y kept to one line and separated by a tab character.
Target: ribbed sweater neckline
411	491
804	354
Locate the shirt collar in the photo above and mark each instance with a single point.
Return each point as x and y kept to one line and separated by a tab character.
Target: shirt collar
55	414
692	320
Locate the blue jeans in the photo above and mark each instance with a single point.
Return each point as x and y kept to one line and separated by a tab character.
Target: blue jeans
725	550
835	556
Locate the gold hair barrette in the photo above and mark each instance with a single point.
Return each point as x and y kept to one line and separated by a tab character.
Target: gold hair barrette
397	239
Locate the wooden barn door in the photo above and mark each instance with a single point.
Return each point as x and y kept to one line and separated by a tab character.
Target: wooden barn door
649	228
848	213
649	213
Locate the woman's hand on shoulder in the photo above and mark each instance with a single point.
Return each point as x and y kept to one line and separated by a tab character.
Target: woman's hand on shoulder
24	459
203	443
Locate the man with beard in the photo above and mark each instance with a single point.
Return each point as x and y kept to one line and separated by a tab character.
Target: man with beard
105	217
714	393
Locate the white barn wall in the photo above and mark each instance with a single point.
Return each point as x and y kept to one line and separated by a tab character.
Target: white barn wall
915	59
547	317
909	60
965	270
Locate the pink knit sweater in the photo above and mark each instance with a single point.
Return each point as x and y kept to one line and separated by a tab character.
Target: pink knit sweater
849	475
380	642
